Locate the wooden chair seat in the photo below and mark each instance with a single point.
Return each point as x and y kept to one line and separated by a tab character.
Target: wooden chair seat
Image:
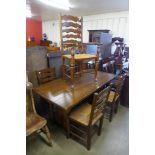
111	97
33	123
82	115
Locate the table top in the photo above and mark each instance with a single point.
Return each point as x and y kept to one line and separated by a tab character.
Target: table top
81	56
59	91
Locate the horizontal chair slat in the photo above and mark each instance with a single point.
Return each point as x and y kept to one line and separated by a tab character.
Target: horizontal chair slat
78	31
69	17
71	24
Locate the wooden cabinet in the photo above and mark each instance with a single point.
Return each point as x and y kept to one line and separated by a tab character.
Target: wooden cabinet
97	36
103	39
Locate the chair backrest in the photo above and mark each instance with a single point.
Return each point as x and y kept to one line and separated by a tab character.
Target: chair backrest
71	32
30	107
46	75
118	86
99	103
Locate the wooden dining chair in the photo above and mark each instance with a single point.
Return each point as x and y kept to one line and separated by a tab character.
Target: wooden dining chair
70	32
83	118
34	122
114	98
46	75
70	40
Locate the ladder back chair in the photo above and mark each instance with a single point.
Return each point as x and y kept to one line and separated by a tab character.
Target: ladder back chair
46	75
71	32
83	118
71	39
114	98
34	122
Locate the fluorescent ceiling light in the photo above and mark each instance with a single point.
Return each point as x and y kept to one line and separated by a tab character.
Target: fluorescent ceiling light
62	4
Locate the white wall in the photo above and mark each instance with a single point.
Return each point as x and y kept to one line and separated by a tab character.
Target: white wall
117	22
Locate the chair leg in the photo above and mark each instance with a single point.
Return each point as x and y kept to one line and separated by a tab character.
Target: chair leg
111	113
100	126
116	107
68	128
88	139
47	132
51	112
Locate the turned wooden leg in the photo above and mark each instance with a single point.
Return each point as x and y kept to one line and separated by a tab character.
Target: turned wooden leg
88	139
72	68
47	132
96	68
100	126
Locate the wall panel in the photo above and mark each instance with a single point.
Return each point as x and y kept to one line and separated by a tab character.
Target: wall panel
33	28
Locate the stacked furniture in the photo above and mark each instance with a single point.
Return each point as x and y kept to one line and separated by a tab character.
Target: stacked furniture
79	59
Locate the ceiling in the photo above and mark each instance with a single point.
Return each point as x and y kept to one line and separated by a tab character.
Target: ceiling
44	12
